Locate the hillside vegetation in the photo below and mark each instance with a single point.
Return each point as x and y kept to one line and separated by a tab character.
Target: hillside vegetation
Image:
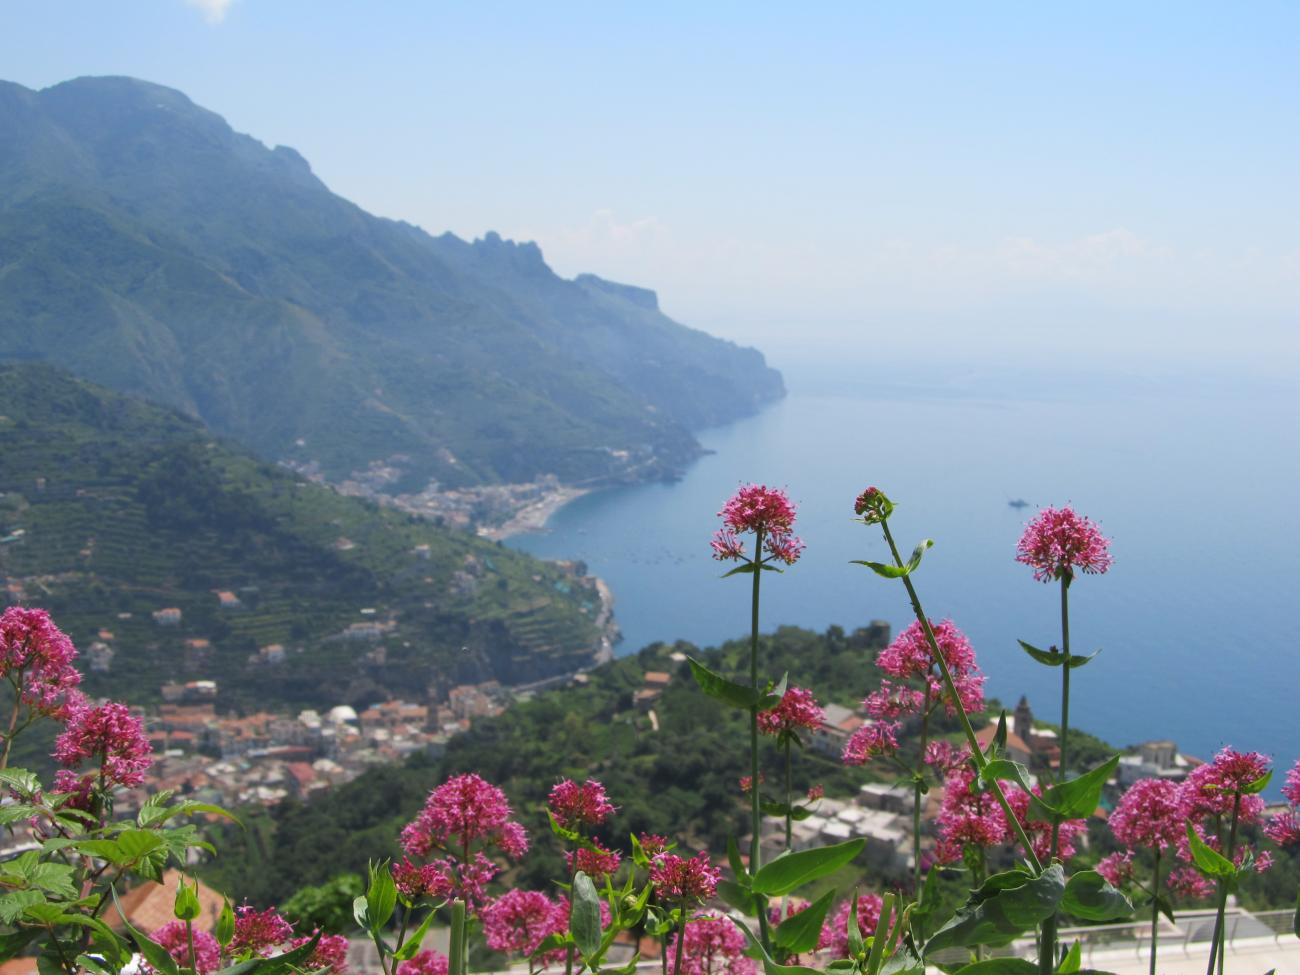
112	509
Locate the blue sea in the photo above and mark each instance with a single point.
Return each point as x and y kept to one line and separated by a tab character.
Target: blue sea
1193	477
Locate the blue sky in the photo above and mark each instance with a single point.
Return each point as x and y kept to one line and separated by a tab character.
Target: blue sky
1107	182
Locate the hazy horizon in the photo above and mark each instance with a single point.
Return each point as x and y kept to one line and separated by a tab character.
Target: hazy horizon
1087	188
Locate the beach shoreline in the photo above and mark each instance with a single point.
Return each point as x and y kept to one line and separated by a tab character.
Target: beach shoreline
533	516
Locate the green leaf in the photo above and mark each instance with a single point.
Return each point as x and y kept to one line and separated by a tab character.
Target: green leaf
1000	966
584	919
1078	798
998	743
565	833
721	689
381	897
12	905
924	908
852	931
225	929
1209	861
1078	660
802	931
53	878
904	961
733	858
1050	658
1004	907
773	697
1089	896
741	898
407	949
771	967
744	569
1073	959
890	571
1259	785
155	954
797	813
1004	768
790	871
550	943
23	782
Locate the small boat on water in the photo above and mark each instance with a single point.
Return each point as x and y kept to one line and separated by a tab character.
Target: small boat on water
1018	503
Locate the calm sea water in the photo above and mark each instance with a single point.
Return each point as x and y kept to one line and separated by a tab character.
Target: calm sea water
1194	480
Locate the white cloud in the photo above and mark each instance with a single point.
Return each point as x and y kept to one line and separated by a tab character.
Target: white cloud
214	11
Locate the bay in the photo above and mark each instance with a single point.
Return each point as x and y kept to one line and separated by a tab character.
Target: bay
1193	478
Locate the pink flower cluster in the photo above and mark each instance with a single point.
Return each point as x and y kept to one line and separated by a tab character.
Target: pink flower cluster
870	741
174	938
909	658
680	878
36	658
971	817
110	737
1284	828
763	511
1149	815
712	945
258	934
575	805
796	710
427	962
519	920
461	819
1058	541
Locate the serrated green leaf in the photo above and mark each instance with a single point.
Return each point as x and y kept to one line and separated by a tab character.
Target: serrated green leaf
721	689
790	871
21	781
1088	895
1078	798
1004	907
53	878
13	904
1209	861
802	931
584	918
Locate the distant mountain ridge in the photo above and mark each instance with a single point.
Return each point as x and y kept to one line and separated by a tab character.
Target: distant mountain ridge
147	246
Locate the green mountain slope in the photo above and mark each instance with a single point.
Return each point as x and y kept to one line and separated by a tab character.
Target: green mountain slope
147	246
112	509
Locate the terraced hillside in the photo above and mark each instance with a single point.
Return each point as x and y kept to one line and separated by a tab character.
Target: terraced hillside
113	511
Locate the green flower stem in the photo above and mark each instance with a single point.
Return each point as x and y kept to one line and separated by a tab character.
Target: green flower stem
1217	948
681	933
755	792
977	756
189	936
917	793
788	809
1047	940
1155	909
456	950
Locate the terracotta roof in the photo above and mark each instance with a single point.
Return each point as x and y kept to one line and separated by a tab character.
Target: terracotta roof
985	735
